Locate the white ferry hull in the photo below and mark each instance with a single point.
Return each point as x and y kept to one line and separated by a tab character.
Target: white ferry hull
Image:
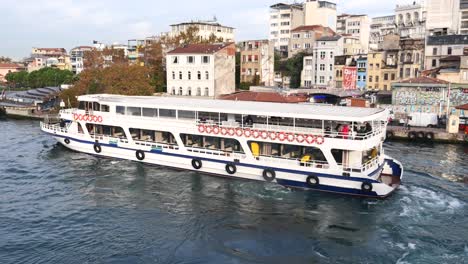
214	166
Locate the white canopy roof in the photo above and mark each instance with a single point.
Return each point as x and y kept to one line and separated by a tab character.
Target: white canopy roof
306	111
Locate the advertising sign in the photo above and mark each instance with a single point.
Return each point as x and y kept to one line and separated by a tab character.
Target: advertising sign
349	78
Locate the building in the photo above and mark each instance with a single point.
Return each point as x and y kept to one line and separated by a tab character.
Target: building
410	58
303	38
380	27
257	62
463	16
361	72
284	18
383	64
442	17
6	68
48	57
206	29
320	13
201	70
77	58
48	52
439	47
319	69
352	46
357	26
342	62
411	20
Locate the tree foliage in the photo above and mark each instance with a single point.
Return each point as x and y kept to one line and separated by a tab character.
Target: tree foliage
291	67
94	58
40	78
116	79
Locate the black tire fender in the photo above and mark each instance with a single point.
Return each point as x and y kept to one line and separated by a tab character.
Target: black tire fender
231	168
67	141
97	148
197	164
412	135
430	136
420	135
140	155
367	187
269	175
313	181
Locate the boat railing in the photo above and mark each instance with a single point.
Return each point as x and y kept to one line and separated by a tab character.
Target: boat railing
156	145
108	138
306	131
223	153
68	111
54	127
360	168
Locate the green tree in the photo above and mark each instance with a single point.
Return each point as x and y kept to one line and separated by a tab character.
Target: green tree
238	69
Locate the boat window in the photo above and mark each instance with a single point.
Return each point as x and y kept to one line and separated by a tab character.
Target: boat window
212	143
105	108
134	111
120	110
80	129
150	112
164	113
305	155
96	106
153	136
109	131
208	117
338	155
186	114
82	105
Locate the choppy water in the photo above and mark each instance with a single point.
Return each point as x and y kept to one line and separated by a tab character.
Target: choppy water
58	206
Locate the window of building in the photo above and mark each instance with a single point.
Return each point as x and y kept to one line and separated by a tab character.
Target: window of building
393	76
385	77
401	73
331	55
322	55
371	66
173	75
190	59
377	79
205	59
207	91
434	63
331	67
199	75
189	91
385	87
307	45
449	51
434	51
407	72
322	67
377	65
207	75
322	79
296	35
175	59
181	91
370	78
189	75
180	75
198	91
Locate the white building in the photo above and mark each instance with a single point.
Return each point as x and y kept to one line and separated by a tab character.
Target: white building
77	58
380	27
411	20
442	17
320	13
357	26
205	29
441	47
463	24
319	68
206	70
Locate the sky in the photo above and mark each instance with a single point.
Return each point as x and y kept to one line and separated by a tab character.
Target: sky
69	23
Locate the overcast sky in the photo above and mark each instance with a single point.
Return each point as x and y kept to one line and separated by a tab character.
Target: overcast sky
70	23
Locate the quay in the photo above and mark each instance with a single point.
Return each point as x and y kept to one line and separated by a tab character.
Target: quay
423	134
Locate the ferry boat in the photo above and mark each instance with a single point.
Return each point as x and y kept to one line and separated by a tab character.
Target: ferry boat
294	145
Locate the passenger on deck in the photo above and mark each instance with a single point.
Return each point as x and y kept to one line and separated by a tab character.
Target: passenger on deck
345	131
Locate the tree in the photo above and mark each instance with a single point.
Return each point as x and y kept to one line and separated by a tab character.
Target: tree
154	60
103	58
291	67
40	78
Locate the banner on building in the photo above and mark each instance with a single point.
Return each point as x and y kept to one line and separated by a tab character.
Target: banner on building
349	78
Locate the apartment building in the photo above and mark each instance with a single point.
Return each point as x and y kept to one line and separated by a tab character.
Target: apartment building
6	68
320	13
362	63
411	20
206	70
380	27
441	47
442	17
48	52
77	58
319	69
257	62
410	58
356	26
352	45
303	38
205	29
463	23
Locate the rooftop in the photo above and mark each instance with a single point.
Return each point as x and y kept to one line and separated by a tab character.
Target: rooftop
447	40
307	111
463	107
333	38
313	28
424	80
200	48
10	66
271	97
208	23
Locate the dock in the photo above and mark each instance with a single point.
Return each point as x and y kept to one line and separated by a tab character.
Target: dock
423	134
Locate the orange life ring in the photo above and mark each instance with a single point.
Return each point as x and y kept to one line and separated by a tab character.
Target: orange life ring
310	139
209	129
273	135
232	132
300	138
224	131
247	132
320	140
201	128
290	137
282	136
239	132
264	134
216	130
256	133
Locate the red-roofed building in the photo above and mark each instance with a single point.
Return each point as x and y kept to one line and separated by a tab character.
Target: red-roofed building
48	52
303	38
206	70
270	97
6	68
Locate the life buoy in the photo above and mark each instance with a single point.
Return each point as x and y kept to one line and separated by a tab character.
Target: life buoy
201	128
75	117
140	155
412	135
300	138
313	181
269	175
256	134
290	137
99	119
231	168
310	139
282	136
430	136
264	134
232	132
247	132
197	164
216	130
366	187
420	135
320	140
97	148
208	129
67	141
239	132
273	135
224	131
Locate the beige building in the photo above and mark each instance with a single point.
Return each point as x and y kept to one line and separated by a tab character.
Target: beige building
320	13
410	58
357	26
352	45
205	29
257	62
303	38
206	70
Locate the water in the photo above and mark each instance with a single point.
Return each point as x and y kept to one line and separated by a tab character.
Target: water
59	206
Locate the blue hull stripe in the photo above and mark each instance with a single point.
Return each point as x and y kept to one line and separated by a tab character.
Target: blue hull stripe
226	162
327	188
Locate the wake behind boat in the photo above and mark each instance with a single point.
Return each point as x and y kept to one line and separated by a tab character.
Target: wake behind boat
325	148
